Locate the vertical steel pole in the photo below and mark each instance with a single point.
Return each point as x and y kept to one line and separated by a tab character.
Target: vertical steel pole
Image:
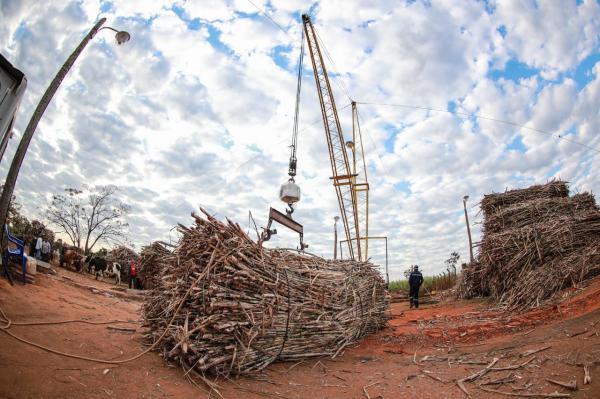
387	275
468	229
15	166
335	240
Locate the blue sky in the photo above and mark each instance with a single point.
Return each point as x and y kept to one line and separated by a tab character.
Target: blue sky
197	109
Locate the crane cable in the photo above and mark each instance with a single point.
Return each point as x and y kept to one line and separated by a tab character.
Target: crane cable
293	159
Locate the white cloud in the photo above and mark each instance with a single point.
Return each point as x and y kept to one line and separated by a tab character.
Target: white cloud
197	110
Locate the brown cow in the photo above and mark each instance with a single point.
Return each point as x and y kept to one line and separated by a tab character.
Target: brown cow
72	258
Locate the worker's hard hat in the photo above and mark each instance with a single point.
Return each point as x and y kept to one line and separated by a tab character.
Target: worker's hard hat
416	267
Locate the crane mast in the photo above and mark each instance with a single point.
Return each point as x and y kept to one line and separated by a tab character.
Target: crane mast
360	185
348	188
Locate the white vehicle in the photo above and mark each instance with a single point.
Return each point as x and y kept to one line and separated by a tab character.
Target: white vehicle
12	87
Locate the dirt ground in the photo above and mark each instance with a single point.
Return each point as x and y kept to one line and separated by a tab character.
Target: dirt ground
422	353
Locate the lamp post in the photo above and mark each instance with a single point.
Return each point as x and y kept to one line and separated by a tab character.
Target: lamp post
465	198
15	166
335	220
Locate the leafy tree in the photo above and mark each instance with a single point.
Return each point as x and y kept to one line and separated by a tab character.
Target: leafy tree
24	228
102	252
451	262
88	219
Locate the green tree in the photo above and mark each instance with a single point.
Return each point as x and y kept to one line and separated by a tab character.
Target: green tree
451	263
25	229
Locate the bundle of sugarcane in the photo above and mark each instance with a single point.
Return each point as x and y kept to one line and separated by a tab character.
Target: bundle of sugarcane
537	285
123	255
150	260
507	256
223	304
553	189
534	248
471	282
538	210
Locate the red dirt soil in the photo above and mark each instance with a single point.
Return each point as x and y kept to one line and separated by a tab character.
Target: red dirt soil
420	354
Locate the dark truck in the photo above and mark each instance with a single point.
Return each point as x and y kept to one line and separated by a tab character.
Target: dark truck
12	87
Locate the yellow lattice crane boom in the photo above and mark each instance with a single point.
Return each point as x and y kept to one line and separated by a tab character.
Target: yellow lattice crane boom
349	176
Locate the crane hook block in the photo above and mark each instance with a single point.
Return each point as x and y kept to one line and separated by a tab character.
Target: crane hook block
289	192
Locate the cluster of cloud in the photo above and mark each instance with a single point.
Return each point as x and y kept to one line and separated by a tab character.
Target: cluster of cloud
197	109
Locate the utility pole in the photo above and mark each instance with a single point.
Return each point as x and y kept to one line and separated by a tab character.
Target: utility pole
335	220
465	198
15	166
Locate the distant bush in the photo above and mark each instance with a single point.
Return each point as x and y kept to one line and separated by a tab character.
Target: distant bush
439	282
398	285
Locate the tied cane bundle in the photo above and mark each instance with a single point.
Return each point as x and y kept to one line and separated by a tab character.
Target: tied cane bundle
245	307
536	242
150	260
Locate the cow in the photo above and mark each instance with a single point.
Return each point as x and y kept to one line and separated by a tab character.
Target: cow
115	270
100	267
72	259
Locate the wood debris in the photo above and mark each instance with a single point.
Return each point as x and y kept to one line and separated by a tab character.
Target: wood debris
587	378
571	385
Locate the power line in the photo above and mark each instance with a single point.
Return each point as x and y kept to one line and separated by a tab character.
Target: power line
339	82
270	19
488	118
385	169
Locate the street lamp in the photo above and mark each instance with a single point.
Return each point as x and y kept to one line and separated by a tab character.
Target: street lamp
335	220
465	198
121	36
15	166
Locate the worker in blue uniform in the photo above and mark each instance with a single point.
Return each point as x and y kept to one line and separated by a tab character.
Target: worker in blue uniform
415	281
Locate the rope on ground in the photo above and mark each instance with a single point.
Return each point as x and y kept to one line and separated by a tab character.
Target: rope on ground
5	329
45	323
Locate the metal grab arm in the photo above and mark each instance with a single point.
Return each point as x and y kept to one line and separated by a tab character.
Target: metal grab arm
287	221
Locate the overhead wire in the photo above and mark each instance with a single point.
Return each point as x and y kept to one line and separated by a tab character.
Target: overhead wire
308	126
488	118
270	19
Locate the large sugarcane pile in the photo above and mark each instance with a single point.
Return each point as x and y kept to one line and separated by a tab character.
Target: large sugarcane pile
150	261
223	304
536	242
122	255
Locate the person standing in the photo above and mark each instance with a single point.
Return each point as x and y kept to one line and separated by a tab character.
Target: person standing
38	248
415	281
46	249
32	247
58	251
132	275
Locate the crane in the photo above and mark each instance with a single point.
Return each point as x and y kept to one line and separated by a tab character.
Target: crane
349	176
